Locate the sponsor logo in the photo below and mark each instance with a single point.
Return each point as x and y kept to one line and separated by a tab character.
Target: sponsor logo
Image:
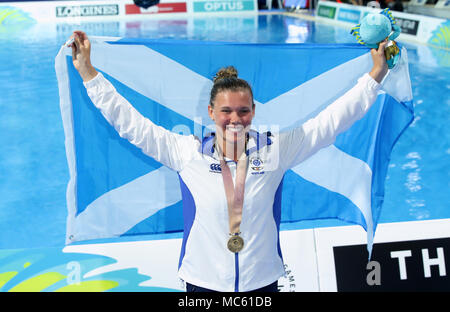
408	26
326	11
87	10
174	7
256	164
347	15
215	168
223	6
419	265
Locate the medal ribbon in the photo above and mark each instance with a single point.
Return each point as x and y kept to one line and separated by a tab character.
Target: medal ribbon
235	195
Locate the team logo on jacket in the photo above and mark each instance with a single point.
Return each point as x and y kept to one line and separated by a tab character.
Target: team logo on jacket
215	168
256	164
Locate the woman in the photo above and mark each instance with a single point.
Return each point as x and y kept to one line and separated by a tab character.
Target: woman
230	181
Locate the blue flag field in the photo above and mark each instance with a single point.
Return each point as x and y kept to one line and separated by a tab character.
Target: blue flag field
115	190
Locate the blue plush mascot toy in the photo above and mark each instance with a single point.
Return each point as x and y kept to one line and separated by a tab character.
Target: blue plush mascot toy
375	28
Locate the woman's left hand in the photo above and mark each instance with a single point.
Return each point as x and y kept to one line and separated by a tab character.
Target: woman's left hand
380	68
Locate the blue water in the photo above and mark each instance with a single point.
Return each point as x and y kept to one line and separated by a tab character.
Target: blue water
33	166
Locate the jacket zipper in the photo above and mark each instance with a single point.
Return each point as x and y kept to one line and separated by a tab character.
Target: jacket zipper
236	266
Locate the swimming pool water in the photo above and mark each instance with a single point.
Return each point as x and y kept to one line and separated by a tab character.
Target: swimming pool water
33	166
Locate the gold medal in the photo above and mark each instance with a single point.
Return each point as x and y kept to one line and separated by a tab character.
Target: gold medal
235	243
391	50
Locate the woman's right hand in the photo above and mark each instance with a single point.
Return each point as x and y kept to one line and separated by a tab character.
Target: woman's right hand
81	55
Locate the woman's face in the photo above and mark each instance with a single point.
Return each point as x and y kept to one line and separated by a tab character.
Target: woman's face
232	113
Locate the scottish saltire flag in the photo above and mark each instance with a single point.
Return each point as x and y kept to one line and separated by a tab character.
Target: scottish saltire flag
115	190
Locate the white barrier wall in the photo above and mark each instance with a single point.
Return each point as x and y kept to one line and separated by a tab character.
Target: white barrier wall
407	256
410	256
419	28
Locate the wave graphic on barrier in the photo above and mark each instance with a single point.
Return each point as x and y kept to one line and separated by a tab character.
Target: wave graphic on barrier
52	270
10	15
440	39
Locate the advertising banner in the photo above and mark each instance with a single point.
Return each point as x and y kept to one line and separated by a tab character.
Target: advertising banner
408	26
348	15
87	10
416	265
45	11
407	256
169	7
223	6
419	28
326	11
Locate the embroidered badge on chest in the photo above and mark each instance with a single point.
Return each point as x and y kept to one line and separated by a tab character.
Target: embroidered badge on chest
257	165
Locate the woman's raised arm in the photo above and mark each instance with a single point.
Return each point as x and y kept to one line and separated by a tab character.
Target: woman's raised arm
321	131
81	55
171	149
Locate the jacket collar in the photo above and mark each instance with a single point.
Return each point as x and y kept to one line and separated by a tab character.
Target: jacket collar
256	141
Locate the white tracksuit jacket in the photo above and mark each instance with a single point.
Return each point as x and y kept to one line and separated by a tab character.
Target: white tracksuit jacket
205	260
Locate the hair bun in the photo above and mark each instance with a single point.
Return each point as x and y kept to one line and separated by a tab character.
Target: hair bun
226	73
